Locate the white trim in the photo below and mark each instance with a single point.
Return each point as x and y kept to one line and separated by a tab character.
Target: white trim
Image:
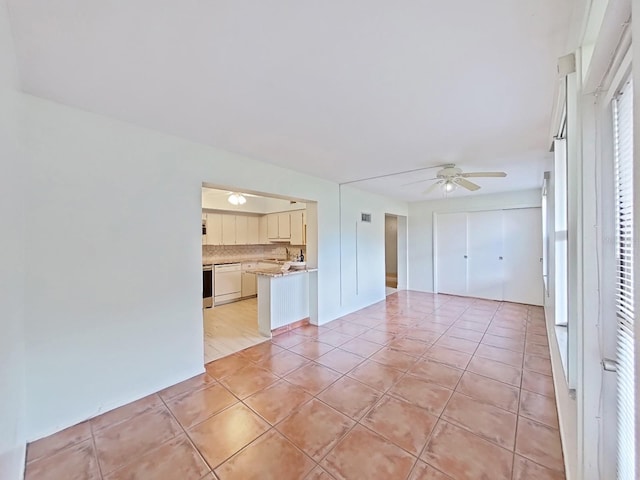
559	112
613	36
615	82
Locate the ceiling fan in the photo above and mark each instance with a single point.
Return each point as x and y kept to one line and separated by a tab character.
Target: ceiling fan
450	177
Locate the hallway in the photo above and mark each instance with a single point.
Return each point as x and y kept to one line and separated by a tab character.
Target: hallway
418	386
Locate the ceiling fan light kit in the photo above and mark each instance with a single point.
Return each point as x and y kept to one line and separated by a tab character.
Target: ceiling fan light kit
451	177
449	186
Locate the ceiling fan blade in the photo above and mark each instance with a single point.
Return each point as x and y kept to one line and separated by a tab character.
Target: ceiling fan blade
432	188
483	174
466	184
419	181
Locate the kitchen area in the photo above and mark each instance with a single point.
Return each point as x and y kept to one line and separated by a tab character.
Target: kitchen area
249	240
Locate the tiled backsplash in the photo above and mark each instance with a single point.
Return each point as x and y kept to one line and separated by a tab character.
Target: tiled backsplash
224	253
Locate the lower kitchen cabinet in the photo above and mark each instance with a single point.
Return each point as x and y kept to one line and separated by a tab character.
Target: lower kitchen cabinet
249	285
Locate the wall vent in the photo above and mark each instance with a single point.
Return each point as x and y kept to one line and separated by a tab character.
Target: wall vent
365	217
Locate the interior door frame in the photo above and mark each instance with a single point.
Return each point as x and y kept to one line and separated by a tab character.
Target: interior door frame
402	250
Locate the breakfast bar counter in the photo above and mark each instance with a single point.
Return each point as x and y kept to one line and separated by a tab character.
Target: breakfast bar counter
283	297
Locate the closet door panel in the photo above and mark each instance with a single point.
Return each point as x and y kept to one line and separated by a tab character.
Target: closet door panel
522	256
451	248
485	267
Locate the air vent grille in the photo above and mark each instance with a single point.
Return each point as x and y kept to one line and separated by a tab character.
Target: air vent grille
365	217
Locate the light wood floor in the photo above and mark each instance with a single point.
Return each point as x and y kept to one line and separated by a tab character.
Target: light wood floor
230	328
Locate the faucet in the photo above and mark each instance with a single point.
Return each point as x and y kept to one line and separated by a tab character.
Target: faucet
287	253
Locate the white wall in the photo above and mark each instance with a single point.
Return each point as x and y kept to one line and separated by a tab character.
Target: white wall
12	428
112	250
363	247
421	227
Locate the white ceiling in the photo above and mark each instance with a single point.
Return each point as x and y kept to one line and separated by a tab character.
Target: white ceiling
337	89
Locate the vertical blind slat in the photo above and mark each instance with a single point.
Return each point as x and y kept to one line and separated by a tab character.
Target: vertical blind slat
625	307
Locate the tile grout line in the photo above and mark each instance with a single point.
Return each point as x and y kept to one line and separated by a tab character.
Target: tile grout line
402	326
358	421
452	393
273	427
417	457
515	438
184	430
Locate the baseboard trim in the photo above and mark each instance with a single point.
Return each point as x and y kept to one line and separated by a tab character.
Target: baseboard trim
291	326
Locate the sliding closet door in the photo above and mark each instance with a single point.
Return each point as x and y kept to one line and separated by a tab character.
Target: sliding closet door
485	245
451	248
522	256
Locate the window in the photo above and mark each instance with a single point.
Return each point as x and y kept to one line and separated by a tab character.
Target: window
624	301
561	232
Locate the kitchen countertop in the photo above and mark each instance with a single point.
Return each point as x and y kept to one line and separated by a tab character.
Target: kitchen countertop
224	261
276	272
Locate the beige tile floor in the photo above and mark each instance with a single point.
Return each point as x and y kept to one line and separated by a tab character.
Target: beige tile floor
230	328
416	387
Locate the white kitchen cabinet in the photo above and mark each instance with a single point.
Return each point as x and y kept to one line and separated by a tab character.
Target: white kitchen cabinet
263	230
253	230
242	233
249	284
297	227
272	226
279	226
490	254
228	229
214	229
284	225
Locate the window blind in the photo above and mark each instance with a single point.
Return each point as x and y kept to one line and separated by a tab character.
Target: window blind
625	314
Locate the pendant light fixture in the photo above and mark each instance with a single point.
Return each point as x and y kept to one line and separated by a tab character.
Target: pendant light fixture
237	199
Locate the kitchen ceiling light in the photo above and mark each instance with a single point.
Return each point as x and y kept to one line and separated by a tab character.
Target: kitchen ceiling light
237	199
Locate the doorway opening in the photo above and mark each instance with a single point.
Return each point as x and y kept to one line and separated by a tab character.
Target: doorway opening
390	253
395	253
244	233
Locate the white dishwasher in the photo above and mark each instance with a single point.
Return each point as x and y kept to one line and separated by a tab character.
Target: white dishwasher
227	283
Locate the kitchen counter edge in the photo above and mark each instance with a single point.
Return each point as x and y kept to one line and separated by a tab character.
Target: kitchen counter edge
273	272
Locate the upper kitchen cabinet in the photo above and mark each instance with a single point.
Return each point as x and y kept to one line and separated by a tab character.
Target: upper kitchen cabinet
214	229
298	227
263	228
242	236
272	226
279	226
287	226
284	225
228	229
253	230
